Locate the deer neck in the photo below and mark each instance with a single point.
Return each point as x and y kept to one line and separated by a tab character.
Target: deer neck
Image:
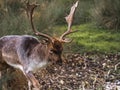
41	51
38	58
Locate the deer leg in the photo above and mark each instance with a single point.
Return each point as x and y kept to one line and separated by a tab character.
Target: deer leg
28	79
29	85
34	81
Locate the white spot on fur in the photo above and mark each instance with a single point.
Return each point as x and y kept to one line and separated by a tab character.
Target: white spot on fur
34	65
18	66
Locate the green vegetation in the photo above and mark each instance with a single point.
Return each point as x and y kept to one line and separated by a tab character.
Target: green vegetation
107	13
92	39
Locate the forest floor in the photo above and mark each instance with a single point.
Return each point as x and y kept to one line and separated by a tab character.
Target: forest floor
78	72
82	72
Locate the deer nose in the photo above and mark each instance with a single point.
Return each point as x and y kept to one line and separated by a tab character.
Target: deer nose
59	62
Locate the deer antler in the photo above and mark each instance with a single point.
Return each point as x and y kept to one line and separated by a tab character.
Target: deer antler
30	8
69	20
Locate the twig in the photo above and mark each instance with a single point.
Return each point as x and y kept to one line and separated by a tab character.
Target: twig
116	66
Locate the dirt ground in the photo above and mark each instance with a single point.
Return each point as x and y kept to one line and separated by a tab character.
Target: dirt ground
78	72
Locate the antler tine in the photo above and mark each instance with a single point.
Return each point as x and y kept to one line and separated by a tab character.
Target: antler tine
30	9
69	20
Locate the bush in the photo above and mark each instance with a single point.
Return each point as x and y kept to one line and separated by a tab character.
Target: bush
49	13
107	13
14	25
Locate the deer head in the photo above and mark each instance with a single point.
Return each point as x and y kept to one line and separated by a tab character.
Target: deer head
55	44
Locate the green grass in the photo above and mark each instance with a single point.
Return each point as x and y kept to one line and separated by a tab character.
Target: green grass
92	39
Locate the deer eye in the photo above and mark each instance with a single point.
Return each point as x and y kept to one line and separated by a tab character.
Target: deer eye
53	51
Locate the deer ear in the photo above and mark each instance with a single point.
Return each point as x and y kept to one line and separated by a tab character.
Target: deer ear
51	51
67	40
46	41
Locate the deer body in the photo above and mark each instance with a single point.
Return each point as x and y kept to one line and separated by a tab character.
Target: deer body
21	51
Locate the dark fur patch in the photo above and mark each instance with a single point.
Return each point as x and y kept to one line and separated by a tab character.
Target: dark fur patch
28	44
57	47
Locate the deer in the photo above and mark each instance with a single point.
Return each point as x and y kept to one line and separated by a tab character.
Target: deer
28	54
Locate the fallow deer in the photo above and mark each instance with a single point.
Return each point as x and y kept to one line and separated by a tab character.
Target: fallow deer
28	54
